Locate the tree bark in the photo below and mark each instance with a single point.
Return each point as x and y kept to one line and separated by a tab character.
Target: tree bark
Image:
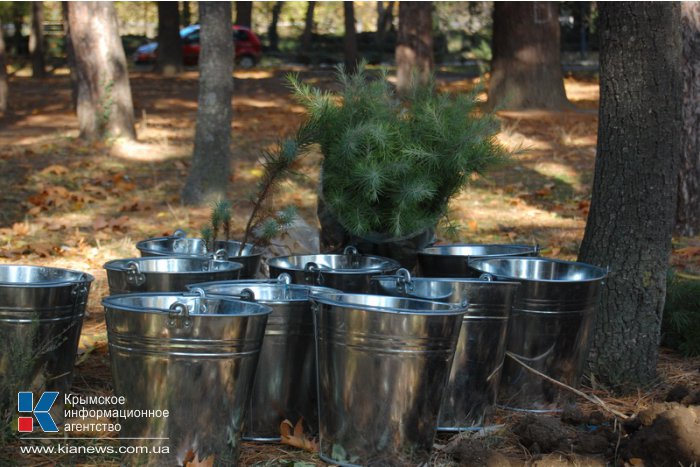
635	184
688	213
169	61
307	34
18	20
272	29
36	41
3	76
526	64
385	16
350	38
186	16
70	56
244	13
414	44
104	105
211	164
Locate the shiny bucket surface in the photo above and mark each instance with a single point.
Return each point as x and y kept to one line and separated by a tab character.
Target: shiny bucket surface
550	327
285	381
452	260
383	364
41	315
347	272
476	370
179	245
166	273
193	356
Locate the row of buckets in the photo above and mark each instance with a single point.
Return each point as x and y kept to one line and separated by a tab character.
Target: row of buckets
372	359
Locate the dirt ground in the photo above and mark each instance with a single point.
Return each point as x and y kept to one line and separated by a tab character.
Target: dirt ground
66	203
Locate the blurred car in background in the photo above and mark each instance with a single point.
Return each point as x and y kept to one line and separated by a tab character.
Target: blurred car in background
247	44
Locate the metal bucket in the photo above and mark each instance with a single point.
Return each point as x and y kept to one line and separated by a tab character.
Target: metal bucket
191	355
349	272
452	260
180	245
41	314
166	273
549	329
383	363
476	370
285	382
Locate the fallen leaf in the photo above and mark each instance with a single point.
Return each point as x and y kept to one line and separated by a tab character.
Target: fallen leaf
473	225
192	460
55	169
293	435
20	228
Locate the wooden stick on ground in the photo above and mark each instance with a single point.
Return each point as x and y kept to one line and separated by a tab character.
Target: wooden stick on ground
591	398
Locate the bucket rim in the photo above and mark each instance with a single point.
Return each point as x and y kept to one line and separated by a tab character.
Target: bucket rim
260	309
601	273
141	245
82	277
312	289
456	280
112	264
391	264
431	250
447	309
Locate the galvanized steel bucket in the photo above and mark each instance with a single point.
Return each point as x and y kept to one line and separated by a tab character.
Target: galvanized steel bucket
41	315
476	370
383	363
452	260
179	244
285	382
193	356
166	273
549	329
350	272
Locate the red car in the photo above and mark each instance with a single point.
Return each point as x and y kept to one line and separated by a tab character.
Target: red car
248	47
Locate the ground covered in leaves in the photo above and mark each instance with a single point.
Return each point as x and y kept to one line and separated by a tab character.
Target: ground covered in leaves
70	204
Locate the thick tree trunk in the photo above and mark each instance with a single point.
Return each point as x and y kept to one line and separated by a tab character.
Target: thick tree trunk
211	161
186	14
244	13
414	45
272	36
105	109
635	185
526	64
307	34
3	76
385	16
688	213
350	38
70	56
36	40
169	62
18	20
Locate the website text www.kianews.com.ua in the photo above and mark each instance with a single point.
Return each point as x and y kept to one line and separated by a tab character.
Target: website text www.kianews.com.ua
63	448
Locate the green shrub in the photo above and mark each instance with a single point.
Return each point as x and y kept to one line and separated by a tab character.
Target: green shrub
681	320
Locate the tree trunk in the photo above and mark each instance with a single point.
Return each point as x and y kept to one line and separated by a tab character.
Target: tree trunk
70	57
3	76
105	109
186	16
350	38
414	44
169	61
244	13
305	42
688	213
272	29
211	164
526	64
36	40
18	20
633	204
385	16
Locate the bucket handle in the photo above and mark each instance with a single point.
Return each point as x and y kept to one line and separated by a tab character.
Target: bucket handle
179	233
487	277
537	249
404	282
134	276
220	255
284	279
312	273
179	313
353	253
